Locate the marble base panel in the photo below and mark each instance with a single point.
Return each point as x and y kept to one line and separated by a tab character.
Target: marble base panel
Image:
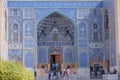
83	73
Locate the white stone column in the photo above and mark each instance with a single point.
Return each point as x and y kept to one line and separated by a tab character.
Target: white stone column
117	32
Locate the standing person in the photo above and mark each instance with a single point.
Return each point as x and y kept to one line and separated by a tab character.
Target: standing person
68	73
102	71
54	75
49	75
53	66
61	73
114	71
95	73
35	75
64	71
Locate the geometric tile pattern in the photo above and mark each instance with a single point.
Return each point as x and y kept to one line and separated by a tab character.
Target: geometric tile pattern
96	54
15	55
27	13
42	55
28	29
52	43
57	4
29	59
85	20
95	33
15	35
82	13
28	43
83	43
83	60
68	55
15	46
95	45
15	12
110	6
41	13
82	29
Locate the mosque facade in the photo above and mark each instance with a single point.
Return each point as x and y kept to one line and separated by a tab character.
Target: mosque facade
79	34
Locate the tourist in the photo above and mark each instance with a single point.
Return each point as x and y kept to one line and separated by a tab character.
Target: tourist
114	71
53	66
35	75
68	72
102	71
49	75
60	73
95	71
63	73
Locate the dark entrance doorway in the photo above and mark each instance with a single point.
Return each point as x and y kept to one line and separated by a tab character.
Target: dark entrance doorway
96	67
55	59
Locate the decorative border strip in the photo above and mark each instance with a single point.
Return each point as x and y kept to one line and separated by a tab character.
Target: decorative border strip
55	4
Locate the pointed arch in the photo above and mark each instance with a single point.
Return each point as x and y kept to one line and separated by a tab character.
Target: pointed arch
82	28
55	30
95	32
15	32
55	24
83	60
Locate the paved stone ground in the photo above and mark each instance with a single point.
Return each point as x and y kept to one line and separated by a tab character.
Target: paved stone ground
71	77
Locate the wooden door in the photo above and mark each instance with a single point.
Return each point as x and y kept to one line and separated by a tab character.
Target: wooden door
56	58
58	61
51	60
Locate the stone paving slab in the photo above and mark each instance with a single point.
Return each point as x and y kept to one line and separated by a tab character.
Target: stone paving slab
71	77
